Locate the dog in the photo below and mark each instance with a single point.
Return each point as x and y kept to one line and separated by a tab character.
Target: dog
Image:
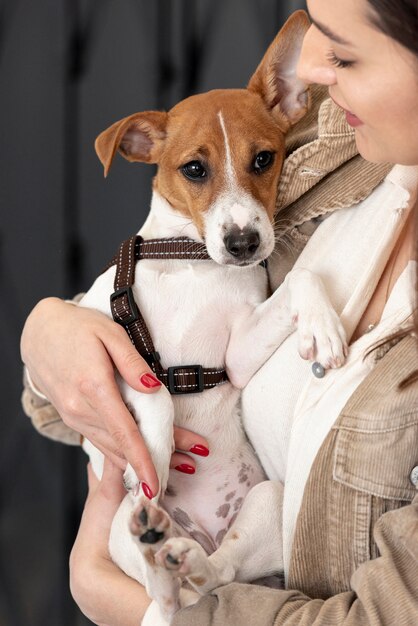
219	157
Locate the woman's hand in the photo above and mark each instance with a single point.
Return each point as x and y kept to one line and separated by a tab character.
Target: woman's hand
102	591
71	353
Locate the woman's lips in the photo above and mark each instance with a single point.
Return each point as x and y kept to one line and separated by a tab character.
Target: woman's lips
352	119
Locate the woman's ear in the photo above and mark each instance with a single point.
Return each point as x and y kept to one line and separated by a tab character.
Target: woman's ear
139	137
275	79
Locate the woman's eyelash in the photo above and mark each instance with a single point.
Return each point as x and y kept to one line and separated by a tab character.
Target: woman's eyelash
332	57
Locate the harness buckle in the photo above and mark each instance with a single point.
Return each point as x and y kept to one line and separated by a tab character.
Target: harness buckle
133	313
197	387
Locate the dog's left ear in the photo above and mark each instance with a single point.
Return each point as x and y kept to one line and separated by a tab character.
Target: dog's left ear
139	137
275	78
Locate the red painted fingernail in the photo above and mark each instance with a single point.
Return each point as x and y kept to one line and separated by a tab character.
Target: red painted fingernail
148	380
186	469
147	491
200	450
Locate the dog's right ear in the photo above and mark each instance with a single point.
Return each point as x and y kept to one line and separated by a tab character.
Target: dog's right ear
139	137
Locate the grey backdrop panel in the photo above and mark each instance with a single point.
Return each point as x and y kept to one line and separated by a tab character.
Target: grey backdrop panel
68	69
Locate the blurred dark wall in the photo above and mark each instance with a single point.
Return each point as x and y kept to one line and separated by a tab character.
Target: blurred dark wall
68	69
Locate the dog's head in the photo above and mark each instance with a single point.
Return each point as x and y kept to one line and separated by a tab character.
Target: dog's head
220	154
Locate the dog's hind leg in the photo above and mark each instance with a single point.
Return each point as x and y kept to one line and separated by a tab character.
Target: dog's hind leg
252	548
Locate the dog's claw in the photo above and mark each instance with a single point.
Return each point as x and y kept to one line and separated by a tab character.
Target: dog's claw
130	480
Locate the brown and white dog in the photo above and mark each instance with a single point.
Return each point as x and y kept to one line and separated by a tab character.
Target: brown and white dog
219	157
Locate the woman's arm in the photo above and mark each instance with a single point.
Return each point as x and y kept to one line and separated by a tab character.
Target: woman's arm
384	590
103	592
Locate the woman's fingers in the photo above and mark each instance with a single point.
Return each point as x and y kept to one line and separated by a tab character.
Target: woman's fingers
183	463
188	441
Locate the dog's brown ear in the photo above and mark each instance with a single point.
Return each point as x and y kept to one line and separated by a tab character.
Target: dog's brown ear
275	78
139	137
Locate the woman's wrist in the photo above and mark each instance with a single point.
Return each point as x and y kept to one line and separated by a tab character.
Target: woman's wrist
37	318
105	595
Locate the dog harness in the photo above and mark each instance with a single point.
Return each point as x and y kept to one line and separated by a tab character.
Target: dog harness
179	379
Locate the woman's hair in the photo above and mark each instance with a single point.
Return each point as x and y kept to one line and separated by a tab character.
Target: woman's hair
398	19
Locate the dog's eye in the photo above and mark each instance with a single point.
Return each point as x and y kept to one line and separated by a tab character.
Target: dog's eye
194	170
262	161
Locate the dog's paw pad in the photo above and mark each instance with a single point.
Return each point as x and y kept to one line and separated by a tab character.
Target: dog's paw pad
171	560
172	557
183	555
150	523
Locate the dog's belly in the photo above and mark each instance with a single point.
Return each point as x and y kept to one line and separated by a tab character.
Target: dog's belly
206	504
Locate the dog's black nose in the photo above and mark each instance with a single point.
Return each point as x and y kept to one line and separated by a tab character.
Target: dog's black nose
242	244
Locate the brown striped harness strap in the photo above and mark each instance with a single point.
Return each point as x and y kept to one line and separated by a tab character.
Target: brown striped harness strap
178	379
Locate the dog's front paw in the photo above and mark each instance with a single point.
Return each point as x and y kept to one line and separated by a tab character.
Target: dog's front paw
321	337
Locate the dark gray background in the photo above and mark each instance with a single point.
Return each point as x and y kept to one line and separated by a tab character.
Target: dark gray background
68	69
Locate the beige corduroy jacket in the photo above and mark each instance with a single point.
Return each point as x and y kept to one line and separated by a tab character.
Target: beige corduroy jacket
355	549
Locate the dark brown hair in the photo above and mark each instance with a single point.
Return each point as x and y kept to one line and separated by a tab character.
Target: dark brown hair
398	19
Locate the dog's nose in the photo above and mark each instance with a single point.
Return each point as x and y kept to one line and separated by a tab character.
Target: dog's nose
242	244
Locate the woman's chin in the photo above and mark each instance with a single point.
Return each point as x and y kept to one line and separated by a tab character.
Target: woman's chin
380	153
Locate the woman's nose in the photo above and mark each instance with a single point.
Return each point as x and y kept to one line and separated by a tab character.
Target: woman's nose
313	65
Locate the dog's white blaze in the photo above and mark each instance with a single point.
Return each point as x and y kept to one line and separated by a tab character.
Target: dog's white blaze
240	215
231	179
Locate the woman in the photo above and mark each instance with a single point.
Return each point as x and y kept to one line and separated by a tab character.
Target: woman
346	444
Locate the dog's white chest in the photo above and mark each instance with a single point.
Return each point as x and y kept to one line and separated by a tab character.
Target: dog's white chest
190	307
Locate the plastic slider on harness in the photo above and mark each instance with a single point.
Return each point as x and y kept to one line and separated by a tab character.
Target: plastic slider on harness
175	387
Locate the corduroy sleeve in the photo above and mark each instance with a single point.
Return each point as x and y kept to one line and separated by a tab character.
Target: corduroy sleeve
44	417
384	590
